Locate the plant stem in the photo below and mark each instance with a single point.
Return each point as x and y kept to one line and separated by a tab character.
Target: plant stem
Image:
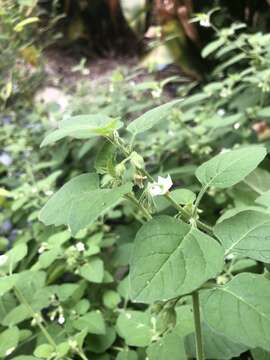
133	199
23	301
184	213
198	328
199	198
81	354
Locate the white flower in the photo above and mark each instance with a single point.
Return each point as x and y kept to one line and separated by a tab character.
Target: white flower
205	21
3	259
160	187
80	246
221	112
10	351
237	125
61	320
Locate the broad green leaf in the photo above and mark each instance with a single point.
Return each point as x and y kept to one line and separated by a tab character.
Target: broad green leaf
7	283
264	199
83	127
240	310
16	315
44	351
264	113
127	355
247	234
111	299
48	257
211	47
98	344
135	327
217	121
64	291
184	320
216	346
260	354
170	259
80	202
105	158
8	341
169	347
93	271
92	321
181	196
15	255
258	180
151	118
228	168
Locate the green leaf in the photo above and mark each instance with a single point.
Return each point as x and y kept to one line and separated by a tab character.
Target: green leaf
16	315
152	117
44	351
264	112
181	196
258	180
184	320
111	299
135	327
25	357
7	283
83	127
127	355
264	199
92	321
240	310
246	234
8	341
98	344
93	271
169	347
170	259
211	47
216	346
80	202
228	168
260	354
14	256
217	121
105	158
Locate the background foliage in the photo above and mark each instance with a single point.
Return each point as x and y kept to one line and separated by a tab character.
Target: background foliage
65	294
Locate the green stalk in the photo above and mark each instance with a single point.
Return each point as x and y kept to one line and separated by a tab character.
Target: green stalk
23	300
198	328
145	212
184	213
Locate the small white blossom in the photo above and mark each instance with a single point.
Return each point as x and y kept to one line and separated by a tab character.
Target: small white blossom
80	246
204	20
161	187
3	259
42	248
156	93
237	125
73	344
61	320
9	351
221	112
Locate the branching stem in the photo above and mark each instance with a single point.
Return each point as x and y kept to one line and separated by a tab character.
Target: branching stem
198	327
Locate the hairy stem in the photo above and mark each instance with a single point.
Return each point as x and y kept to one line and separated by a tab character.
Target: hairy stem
145	212
198	328
23	301
179	208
